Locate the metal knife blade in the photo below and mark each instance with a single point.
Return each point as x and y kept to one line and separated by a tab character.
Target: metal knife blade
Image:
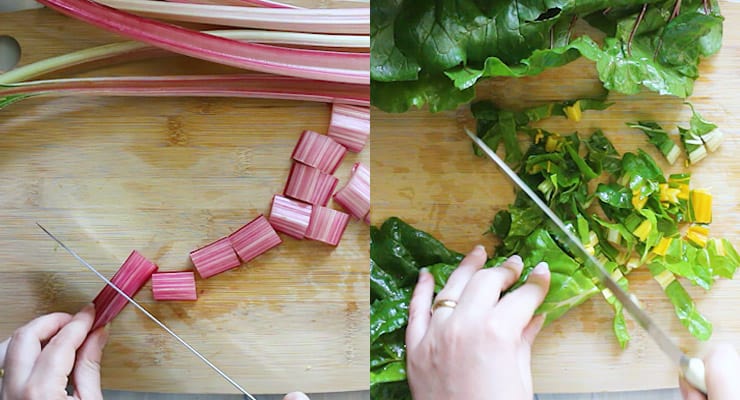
692	368
149	315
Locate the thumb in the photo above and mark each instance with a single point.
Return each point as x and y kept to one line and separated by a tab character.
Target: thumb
688	392
86	373
295	396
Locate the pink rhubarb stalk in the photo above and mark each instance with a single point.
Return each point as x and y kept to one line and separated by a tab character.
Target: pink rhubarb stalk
310	185
350	126
354	21
319	151
327	225
130	278
214	258
254	238
290	216
355	195
247	86
253	3
174	286
311	64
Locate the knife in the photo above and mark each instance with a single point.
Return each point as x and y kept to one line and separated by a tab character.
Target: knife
149	315
691	368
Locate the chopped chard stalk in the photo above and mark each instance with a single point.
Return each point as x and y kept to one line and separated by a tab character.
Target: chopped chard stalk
174	286
350	126
290	216
327	225
214	258
254	239
310	185
355	195
319	151
130	278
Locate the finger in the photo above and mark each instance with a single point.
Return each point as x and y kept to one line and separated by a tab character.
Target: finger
517	307
722	365
688	392
86	374
295	396
458	279
485	287
419	306
55	362
3	350
533	329
24	348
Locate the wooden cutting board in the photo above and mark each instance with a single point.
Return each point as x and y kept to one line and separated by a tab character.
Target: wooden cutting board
424	171
165	176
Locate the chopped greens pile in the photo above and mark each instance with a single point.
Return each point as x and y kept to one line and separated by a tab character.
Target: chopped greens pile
622	207
434	52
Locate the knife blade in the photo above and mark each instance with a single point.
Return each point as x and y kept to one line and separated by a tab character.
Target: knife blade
149	315
691	368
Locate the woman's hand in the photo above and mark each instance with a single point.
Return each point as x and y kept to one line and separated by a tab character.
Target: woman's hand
722	374
41	356
479	348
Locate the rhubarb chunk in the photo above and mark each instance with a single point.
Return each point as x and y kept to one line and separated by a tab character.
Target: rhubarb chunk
174	286
130	278
310	185
327	225
254	238
355	195
214	258
350	126
319	151
290	216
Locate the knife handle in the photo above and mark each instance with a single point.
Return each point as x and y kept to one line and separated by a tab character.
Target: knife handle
693	372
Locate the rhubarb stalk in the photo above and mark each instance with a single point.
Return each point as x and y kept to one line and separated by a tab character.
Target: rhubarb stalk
311	64
248	86
214	258
355	21
290	216
254	238
174	286
327	225
130	278
319	151
355	195
309	185
350	126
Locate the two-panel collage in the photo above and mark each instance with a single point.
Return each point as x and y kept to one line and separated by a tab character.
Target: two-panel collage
369	200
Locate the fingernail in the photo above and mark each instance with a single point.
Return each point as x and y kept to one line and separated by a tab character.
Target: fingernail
540	269
424	270
89	307
515	259
479	248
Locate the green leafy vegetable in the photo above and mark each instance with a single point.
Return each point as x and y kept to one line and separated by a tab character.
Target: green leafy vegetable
447	46
658	137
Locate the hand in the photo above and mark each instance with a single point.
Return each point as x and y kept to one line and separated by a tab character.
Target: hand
481	348
40	357
296	396
722	374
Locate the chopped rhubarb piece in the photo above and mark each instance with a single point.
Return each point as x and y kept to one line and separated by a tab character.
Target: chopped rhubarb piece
319	151
290	216
310	185
254	238
355	195
130	278
327	225
174	286
214	258
350	126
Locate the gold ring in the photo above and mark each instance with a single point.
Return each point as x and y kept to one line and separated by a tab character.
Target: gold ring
443	303
2	373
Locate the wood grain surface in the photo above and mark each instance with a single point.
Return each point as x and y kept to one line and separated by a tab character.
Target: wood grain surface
165	176
424	171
